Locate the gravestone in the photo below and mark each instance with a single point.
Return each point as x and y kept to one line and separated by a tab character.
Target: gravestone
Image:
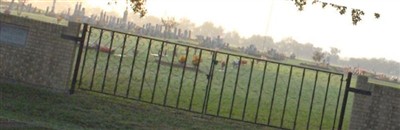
68	13
179	33
175	33
53	7
47	10
10	7
185	33
35	10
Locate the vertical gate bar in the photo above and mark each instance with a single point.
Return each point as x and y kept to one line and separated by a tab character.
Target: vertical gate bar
84	57
169	75
326	96
298	100
144	71
183	75
158	70
312	99
211	79
337	103
107	63
286	96
78	59
345	96
234	90
209	82
132	66
273	94
223	84
195	80
97	56
247	91
261	90
120	63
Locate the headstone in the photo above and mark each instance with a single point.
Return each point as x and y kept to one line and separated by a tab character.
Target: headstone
175	33
35	10
10	7
80	6
30	8
152	31
185	33
83	12
179	33
69	13
47	10
53	7
75	9
19	8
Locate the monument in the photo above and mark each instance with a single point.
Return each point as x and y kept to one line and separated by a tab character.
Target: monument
52	12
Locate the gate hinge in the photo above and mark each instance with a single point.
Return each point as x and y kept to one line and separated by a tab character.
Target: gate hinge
69	37
359	91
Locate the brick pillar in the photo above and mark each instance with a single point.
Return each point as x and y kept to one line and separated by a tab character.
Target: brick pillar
361	105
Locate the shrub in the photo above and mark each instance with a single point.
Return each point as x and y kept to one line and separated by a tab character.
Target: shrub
196	60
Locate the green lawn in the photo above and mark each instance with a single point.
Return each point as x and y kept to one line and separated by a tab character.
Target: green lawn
31	108
384	83
38	17
184	91
166	89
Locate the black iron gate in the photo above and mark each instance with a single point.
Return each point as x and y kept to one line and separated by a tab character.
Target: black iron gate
209	82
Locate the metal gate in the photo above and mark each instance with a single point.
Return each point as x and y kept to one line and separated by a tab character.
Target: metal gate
210	82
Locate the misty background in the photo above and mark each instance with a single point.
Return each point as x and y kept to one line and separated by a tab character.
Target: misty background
263	43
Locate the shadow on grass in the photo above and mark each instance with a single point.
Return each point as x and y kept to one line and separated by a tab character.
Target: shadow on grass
31	108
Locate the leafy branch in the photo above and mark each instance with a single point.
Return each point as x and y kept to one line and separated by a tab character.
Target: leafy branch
355	13
136	5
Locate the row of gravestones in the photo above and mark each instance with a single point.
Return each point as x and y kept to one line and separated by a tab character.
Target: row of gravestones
165	32
209	42
19	7
111	22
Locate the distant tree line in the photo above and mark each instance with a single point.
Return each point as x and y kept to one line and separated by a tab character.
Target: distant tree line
259	46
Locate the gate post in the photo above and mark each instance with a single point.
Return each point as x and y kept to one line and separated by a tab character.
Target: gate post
344	103
346	92
78	58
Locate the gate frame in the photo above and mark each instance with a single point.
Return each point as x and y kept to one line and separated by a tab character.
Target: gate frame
81	41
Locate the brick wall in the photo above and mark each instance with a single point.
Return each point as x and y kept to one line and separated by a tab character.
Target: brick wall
380	111
45	60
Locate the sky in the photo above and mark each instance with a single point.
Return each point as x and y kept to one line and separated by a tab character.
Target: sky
371	38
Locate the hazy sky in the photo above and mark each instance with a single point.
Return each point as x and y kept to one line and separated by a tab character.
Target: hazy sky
280	19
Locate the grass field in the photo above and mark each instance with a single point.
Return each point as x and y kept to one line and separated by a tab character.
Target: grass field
28	108
265	96
39	17
271	100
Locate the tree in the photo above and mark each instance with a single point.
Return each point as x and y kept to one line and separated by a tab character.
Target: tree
292	56
136	5
355	13
186	24
334	51
208	29
334	55
252	50
260	42
232	38
169	23
318	56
